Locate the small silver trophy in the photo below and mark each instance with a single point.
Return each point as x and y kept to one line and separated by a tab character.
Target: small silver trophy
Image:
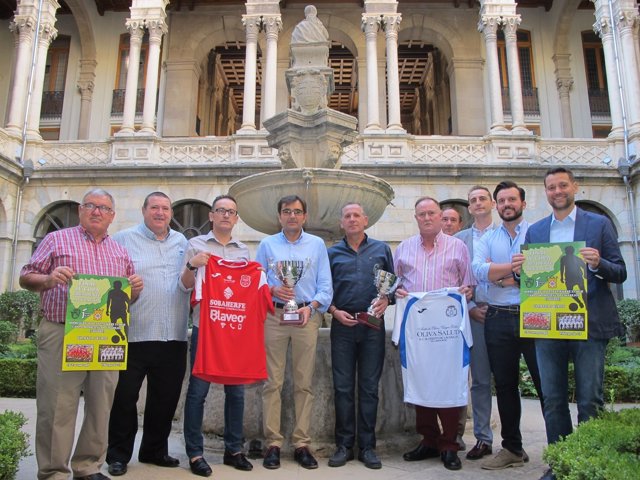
290	272
386	283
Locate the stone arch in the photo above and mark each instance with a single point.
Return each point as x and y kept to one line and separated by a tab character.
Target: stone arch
461	206
562	40
4	224
55	216
191	217
595	207
85	28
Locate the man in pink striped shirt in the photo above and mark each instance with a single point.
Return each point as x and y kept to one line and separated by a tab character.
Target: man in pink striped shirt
429	261
86	249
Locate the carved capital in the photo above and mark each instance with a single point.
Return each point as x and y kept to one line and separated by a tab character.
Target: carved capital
48	33
488	25
157	28
602	27
391	24
136	29
23	27
370	24
564	85
252	27
272	25
628	20
510	25
86	88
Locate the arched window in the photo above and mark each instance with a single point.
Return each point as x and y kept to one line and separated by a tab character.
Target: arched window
191	217
58	216
461	207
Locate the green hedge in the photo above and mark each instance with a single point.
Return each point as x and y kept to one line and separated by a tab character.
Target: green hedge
18	377
605	448
13	443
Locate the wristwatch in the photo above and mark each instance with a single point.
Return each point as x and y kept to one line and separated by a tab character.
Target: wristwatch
499	282
191	267
312	310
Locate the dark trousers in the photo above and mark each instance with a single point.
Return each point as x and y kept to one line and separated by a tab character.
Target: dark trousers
163	364
427	426
356	351
504	346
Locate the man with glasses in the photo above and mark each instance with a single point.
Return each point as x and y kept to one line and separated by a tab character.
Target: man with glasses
313	295
157	337
219	242
85	249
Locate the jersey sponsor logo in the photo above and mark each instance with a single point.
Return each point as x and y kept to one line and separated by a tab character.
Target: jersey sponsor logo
229	279
215	275
228	293
218	316
245	281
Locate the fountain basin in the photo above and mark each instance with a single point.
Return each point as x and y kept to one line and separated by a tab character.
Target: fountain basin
325	191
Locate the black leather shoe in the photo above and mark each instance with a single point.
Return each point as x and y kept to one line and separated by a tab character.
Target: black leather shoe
421	452
200	467
237	461
272	458
163	461
369	458
341	456
303	456
479	450
93	476
451	460
117	468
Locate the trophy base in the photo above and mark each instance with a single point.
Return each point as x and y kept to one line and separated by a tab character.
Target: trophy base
291	318
369	320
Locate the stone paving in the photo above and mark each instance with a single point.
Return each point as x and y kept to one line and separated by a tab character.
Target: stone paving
393	465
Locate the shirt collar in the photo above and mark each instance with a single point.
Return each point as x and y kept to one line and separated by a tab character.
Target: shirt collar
286	240
146	231
572	216
90	237
364	240
212	238
478	231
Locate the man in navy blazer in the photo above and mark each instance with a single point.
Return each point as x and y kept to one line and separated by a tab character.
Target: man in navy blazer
605	265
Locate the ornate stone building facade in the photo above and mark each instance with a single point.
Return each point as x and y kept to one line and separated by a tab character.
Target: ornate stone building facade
142	95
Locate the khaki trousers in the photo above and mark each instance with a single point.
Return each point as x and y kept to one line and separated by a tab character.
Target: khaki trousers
303	355
57	399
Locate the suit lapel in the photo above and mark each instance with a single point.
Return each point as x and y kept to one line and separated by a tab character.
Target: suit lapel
582	221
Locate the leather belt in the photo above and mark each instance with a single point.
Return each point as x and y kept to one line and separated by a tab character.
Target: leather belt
506	308
281	305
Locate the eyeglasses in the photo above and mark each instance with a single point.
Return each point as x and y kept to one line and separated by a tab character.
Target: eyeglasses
287	211
92	206
226	211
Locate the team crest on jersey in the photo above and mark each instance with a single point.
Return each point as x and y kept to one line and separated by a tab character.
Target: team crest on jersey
228	293
451	311
245	281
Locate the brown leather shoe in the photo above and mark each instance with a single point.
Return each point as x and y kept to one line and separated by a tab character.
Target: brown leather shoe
479	450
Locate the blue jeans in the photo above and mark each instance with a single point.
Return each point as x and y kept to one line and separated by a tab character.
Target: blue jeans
504	345
194	411
357	350
588	361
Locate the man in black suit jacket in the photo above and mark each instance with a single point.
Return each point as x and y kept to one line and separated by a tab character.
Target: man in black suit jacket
605	265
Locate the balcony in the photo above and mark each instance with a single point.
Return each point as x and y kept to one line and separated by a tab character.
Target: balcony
117	102
599	102
51	108
530	102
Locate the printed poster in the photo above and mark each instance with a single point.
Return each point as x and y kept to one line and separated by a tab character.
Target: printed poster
553	291
97	323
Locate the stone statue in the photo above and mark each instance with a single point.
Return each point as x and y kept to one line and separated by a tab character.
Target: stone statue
311	29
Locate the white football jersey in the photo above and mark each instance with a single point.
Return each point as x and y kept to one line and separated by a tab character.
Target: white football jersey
433	334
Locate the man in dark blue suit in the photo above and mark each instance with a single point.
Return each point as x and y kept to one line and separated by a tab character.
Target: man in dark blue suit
605	265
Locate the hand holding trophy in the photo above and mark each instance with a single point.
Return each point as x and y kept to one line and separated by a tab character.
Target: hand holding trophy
290	272
386	283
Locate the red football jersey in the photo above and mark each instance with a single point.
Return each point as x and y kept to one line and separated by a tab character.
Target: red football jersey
234	299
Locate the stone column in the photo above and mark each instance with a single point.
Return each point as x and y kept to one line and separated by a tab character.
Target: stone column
510	26
370	25
23	28
47	34
272	25
252	27
627	23
85	86
391	24
488	25
564	83
157	28
136	31
603	28
181	98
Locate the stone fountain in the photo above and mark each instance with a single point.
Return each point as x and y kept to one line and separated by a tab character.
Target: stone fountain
310	138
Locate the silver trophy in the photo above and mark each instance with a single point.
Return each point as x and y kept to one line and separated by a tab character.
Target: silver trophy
290	272
386	283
